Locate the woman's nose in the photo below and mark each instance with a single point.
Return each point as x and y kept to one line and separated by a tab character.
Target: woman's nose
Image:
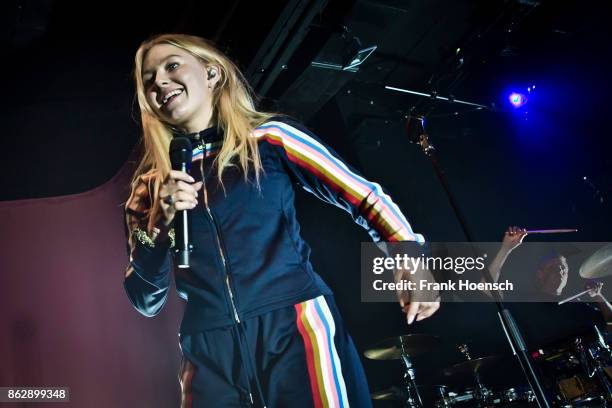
161	80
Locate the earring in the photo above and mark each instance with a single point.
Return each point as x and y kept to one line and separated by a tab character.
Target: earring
211	73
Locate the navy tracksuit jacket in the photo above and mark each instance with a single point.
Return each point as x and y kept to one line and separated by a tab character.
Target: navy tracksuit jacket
250	263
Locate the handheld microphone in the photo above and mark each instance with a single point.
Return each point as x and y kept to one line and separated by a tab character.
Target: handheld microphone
180	157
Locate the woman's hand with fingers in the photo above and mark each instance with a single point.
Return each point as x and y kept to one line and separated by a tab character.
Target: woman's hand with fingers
179	191
417	304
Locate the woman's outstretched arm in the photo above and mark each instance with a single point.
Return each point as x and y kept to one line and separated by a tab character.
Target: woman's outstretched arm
319	170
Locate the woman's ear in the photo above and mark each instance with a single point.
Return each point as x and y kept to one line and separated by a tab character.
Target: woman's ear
213	75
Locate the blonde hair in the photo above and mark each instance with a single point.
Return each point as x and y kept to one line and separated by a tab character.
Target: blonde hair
233	112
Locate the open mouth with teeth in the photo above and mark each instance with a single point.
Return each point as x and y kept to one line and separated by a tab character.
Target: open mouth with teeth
170	96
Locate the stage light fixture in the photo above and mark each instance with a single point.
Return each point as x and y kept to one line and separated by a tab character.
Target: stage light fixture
355	53
358	57
353	56
517	100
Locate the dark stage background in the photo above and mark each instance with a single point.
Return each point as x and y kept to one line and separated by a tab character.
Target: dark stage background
70	125
66	318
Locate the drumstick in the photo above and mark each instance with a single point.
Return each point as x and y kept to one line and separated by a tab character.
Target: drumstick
552	231
604	300
576	296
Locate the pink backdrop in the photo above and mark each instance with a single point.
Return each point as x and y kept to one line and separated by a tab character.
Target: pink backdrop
66	320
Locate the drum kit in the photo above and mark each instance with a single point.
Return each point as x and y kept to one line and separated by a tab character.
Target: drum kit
412	395
577	372
580	370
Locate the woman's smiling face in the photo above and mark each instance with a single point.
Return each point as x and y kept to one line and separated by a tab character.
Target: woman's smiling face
177	87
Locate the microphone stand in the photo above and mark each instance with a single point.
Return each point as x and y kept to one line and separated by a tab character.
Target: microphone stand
509	325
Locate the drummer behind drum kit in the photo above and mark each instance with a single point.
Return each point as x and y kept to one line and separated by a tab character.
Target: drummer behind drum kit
578	372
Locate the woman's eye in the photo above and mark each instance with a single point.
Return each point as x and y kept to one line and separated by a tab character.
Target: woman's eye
172	66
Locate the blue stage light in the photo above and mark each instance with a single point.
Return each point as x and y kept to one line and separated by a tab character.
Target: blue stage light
517	100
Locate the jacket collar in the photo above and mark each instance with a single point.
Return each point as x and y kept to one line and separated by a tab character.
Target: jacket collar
203	137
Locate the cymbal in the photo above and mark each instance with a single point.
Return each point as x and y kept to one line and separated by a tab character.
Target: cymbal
399	394
411	344
598	265
473	366
391	393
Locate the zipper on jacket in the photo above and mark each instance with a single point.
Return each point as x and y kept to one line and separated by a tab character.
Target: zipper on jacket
223	261
218	238
228	285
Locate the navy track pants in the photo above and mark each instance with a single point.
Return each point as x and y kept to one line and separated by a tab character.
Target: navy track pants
298	356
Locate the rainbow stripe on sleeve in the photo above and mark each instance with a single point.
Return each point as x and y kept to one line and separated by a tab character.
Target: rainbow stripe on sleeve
310	155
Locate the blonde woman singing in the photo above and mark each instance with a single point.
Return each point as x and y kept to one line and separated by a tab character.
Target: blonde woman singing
260	326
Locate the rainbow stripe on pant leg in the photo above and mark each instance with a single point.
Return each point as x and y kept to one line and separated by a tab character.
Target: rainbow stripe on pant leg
186	374
317	328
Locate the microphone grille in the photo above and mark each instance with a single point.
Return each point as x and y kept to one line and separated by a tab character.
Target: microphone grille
180	151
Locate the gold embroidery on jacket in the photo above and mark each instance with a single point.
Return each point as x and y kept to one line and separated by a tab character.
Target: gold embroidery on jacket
145	239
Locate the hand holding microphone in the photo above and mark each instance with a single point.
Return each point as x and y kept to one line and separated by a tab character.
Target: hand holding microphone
177	193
